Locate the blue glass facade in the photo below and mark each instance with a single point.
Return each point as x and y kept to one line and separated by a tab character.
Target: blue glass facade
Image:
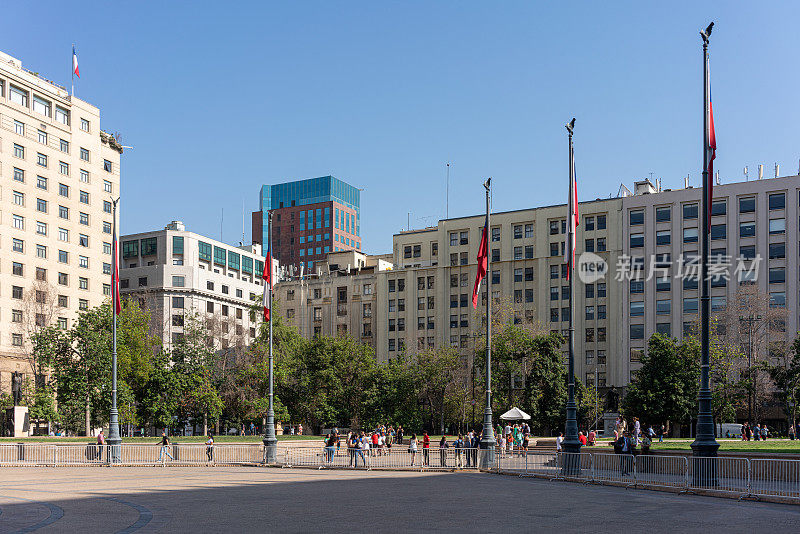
307	193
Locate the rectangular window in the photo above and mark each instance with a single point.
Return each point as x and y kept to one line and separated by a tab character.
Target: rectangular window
777	251
63	256
149	246
41	159
747	229
636	217
719	207
777	201
107	186
84	197
84	176
777	226
636	309
588	223
19	222
777	275
19	175
84	125
84	154
747	205
41	205
663	214
41	228
637	331
63	145
19	151
62	115
63	168
719	231
689	211
517	253
83	218
690	235
17	245
637	240
663	237
18	96
690	305
83	283
41	252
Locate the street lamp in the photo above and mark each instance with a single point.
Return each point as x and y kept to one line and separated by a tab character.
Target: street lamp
270	440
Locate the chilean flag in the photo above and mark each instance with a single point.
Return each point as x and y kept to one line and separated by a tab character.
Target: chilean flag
267	277
573	219
482	261
75	70
712	154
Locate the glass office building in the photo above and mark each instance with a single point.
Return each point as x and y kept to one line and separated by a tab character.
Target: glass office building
310	219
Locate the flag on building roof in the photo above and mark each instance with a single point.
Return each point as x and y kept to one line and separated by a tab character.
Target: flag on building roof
75	70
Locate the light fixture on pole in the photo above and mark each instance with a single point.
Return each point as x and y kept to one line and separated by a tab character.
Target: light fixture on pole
705	446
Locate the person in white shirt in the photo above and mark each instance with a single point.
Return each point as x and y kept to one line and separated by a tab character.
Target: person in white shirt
559	440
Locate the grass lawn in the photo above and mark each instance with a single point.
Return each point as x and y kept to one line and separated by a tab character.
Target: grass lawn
772	445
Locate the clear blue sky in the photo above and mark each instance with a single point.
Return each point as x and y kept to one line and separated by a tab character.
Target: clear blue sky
219	98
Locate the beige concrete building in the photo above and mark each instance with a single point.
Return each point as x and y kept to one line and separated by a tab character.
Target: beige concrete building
58	174
176	274
337	297
427	297
754	235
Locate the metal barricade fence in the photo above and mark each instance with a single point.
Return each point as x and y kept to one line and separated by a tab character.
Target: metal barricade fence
383	458
661	471
719	474
613	468
778	478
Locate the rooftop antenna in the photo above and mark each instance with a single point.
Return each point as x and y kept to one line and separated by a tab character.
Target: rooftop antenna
746	175
760	171
221	218
242	221
777	170
686	182
447	193
408	227
717	179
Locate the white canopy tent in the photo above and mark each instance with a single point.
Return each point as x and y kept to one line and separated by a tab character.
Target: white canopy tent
514	414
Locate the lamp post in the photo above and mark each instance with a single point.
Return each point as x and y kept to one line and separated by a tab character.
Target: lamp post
114	439
571	443
270	440
487	436
705	446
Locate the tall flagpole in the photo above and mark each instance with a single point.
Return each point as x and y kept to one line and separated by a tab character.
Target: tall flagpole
487	435
114	439
705	445
270	440
72	68
571	443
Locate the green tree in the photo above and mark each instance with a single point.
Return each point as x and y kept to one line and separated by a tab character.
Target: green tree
785	373
665	387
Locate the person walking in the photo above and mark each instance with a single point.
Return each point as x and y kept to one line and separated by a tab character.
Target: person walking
164	447
330	448
458	445
426	448
559	440
443	446
412	448
210	448
764	432
623	445
476	441
101	444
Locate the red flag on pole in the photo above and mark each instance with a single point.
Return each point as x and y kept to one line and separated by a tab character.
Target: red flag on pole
267	277
573	219
483	251
75	70
711	147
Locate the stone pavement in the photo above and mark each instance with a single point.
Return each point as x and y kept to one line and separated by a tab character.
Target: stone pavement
242	499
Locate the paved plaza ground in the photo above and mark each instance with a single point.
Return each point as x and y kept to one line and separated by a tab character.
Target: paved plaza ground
243	499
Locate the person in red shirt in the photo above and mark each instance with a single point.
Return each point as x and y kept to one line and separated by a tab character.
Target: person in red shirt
591	438
375	450
582	438
426	448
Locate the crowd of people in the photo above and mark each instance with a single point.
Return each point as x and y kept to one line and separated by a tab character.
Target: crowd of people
758	432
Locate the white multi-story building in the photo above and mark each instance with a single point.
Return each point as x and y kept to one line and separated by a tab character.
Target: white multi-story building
58	175
176	274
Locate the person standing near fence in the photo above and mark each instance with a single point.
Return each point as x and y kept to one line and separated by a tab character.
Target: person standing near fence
412	448
476	441
210	447
443	446
426	449
101	444
399	435
458	444
164	447
351	447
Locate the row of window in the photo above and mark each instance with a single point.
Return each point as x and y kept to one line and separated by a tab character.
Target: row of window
18	197
776	201
42	182
63	167
18	222
41	105
718	232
